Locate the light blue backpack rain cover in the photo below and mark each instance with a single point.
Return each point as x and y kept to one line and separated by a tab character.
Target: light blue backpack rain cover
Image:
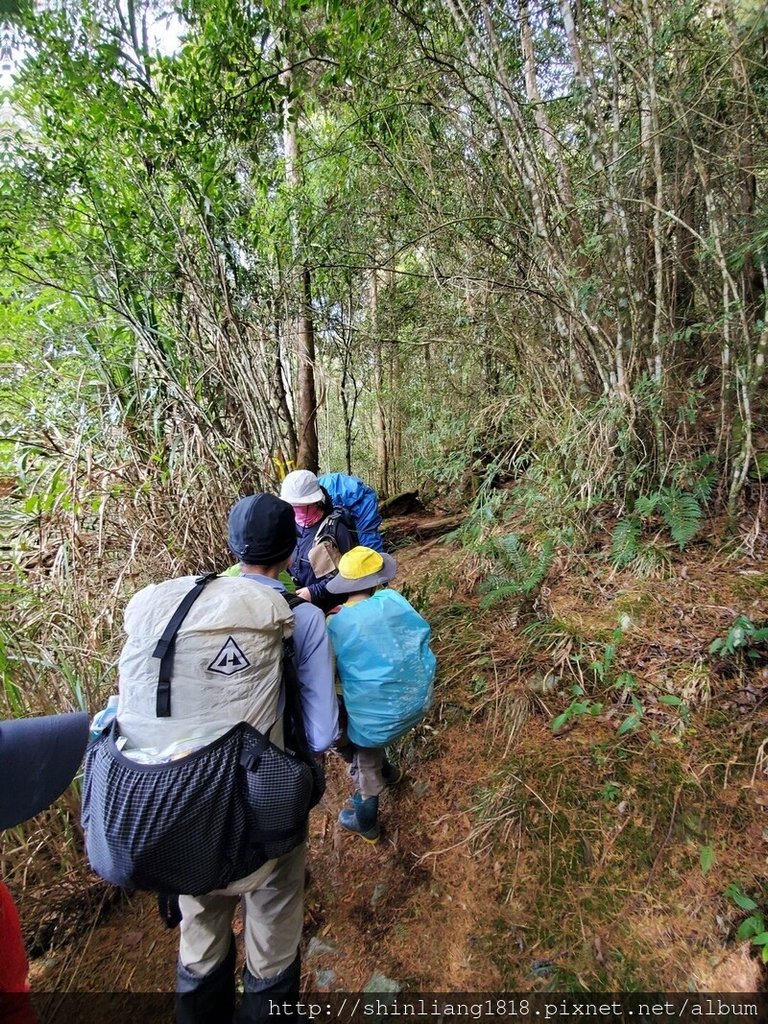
386	667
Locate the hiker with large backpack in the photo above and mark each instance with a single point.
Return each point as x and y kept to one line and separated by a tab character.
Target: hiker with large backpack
221	722
323	534
386	671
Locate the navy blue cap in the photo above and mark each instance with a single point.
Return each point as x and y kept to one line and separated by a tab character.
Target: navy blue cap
38	760
262	529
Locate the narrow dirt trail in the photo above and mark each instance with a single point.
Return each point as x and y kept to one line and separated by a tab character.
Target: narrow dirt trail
400	909
515	859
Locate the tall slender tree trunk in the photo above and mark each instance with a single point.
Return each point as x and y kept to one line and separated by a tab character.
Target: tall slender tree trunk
283	405
382	452
308	454
396	419
395	422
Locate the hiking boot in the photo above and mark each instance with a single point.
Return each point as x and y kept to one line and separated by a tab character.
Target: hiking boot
362	818
260	995
207	998
391	774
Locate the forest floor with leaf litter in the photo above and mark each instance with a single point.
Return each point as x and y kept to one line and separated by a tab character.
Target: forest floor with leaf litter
515	858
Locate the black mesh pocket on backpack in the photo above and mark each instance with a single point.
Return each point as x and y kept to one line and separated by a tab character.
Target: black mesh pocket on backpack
279	789
175	827
196	824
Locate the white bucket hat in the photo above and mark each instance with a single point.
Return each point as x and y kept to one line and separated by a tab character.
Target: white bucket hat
301	488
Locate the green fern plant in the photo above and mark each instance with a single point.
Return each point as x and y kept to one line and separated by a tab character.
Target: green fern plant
522	570
625	541
681	513
697	477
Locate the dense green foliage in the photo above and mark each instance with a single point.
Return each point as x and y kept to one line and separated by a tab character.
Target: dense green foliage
530	232
460	244
514	254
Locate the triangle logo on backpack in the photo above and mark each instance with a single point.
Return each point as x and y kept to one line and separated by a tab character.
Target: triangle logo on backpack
229	660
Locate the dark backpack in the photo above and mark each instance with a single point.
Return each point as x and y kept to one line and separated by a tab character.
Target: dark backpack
195	824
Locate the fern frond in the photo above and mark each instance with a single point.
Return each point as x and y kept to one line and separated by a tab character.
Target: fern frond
624	541
647	505
543	563
512	553
521	572
494	581
702	489
682	514
501	593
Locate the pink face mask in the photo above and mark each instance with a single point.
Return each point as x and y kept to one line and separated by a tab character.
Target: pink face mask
307	515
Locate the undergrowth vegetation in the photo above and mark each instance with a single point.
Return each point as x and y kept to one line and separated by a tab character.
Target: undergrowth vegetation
623	713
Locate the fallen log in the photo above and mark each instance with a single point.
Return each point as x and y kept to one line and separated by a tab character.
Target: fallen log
401	504
415	530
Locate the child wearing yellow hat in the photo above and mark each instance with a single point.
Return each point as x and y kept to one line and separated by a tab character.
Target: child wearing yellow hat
386	670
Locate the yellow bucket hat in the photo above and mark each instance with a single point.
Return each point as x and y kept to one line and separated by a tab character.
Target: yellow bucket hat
362	568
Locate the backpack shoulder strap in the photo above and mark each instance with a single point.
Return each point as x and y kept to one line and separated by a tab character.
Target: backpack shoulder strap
166	645
295	733
329	528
